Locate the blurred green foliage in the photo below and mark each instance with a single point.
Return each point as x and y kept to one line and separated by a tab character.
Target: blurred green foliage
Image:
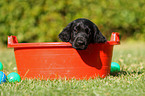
43	20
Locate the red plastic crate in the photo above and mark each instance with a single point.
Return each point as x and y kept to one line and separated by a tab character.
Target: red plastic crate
58	59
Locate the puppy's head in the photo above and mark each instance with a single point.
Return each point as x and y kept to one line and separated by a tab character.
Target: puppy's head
80	33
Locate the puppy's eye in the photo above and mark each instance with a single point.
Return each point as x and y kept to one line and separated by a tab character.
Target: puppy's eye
78	27
75	30
87	30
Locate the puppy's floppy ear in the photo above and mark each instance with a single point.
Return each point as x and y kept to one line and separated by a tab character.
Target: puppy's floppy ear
66	33
98	37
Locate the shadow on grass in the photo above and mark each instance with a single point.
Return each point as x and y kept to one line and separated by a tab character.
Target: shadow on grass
125	73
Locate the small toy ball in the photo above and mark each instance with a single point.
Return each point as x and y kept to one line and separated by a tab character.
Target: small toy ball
1	66
3	77
115	67
14	77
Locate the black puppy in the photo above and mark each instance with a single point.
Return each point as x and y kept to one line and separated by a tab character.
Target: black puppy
80	33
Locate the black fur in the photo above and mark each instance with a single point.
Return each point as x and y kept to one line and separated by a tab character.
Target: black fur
80	33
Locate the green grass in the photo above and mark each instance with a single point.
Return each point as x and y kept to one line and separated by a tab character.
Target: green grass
129	82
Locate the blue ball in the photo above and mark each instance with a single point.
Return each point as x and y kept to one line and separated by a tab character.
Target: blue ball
115	67
3	77
13	77
1	66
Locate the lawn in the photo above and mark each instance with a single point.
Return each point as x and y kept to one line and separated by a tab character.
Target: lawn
129	82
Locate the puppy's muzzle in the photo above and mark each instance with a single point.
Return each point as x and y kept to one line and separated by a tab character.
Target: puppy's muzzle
80	42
